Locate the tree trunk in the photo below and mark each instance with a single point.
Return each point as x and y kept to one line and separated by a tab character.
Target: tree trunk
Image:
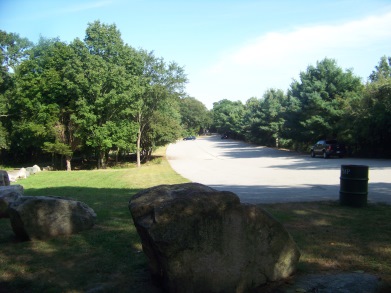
102	160
138	148
68	161
116	157
97	155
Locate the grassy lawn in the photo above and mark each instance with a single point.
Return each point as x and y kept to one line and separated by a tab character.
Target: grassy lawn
108	258
334	238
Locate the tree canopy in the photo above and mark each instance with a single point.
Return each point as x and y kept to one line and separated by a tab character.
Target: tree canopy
325	102
99	96
89	97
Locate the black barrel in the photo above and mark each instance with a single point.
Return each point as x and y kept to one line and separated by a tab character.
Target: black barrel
354	185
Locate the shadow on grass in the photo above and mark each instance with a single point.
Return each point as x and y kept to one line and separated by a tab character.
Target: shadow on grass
107	258
336	238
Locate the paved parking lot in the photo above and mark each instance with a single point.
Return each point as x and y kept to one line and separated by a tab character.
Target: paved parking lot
266	175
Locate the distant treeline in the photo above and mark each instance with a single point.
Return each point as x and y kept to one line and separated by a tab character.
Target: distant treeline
326	102
100	99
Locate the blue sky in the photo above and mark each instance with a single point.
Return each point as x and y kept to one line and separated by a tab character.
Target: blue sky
230	49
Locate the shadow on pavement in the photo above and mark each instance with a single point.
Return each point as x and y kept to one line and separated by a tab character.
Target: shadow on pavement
258	194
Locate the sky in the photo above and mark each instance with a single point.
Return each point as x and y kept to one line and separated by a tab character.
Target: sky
230	49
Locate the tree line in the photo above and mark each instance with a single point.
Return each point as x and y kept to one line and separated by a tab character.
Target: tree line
90	98
326	102
99	98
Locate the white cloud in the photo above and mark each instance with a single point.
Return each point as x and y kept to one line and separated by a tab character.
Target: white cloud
272	60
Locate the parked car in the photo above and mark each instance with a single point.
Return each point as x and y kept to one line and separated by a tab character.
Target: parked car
328	148
190	138
224	136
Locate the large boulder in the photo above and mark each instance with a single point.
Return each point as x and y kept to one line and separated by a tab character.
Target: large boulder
198	239
9	194
43	217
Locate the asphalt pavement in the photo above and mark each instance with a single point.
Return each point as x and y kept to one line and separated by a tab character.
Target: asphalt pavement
266	175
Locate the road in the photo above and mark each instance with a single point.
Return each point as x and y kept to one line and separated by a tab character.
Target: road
265	175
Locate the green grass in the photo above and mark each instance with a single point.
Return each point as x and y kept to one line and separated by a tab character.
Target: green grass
336	238
109	258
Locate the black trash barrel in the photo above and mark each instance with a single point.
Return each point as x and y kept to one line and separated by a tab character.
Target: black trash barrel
354	185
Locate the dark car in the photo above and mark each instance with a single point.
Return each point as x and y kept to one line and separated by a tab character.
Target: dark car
190	138
225	136
328	148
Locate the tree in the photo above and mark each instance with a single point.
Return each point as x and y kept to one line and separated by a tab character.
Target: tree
98	94
46	99
13	51
33	106
227	117
252	119
57	148
316	102
370	115
377	101
383	70
161	84
265	117
163	129
195	116
107	103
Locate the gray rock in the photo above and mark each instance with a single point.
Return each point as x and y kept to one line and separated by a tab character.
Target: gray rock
4	179
33	170
47	168
18	174
9	194
198	239
43	217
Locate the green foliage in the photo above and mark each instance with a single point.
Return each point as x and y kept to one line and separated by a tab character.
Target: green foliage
13	50
326	102
161	86
370	118
383	70
105	107
3	137
57	148
195	116
98	95
163	129
227	117
317	101
264	118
